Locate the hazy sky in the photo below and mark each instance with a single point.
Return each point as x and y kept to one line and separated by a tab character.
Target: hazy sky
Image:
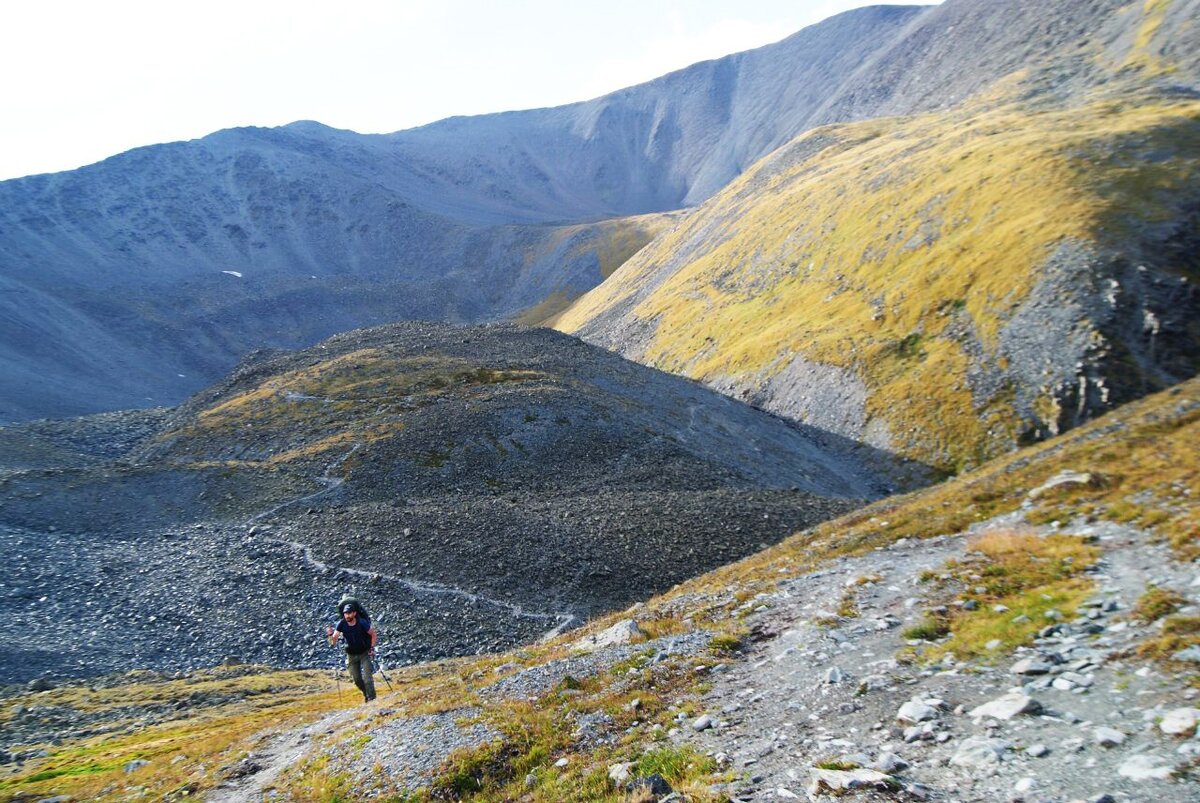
84	80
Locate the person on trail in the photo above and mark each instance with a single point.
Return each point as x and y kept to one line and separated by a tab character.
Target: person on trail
360	647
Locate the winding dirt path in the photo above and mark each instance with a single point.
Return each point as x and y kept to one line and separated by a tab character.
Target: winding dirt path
562	621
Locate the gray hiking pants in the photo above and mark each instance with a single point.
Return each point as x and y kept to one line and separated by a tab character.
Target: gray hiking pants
360	670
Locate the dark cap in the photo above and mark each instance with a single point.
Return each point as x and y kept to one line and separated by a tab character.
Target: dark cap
348	609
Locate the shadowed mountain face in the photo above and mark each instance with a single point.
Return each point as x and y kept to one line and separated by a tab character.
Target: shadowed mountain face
482	485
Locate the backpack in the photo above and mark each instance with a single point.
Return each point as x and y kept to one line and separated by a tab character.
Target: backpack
359	608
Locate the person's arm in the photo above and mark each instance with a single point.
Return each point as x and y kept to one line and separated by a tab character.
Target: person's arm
334	634
374	638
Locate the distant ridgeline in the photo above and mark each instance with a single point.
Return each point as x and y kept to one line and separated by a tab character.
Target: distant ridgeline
949	229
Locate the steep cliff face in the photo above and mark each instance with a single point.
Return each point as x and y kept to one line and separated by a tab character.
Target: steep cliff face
945	285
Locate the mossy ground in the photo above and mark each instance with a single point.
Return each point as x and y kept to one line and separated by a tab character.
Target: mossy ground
184	752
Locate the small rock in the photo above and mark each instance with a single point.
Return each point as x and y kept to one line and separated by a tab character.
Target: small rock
838	781
1192	654
1145	767
135	765
619	773
915	711
1108	737
562	762
980	751
1037	751
890	763
1030	666
702	723
1006	707
1180	721
40	684
835	675
1024	785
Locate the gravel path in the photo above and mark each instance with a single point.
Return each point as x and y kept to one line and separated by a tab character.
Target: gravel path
816	693
250	780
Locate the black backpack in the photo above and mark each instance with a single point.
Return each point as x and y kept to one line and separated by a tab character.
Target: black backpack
358	607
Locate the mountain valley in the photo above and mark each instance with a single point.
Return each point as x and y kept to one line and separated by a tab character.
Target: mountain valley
816	422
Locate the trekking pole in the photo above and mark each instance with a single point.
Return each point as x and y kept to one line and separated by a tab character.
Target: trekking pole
386	679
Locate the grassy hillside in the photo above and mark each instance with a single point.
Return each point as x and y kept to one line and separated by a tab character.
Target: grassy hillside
1143	470
990	274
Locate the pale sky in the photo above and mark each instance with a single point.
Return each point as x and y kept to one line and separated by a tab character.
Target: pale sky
87	79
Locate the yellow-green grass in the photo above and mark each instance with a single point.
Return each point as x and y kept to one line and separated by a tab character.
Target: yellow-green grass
547	309
1027	575
875	250
1142	56
252	701
356	398
1156	603
211	736
1178	633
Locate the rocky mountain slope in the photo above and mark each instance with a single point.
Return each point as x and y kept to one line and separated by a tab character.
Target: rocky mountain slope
952	284
1026	631
138	280
484	485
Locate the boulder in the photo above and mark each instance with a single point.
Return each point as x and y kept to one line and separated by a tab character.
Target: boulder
1031	666
915	711
619	773
1146	767
1180	721
654	784
622	632
838	781
980	751
1006	707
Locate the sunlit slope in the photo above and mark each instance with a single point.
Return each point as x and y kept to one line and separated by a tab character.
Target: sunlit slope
945	285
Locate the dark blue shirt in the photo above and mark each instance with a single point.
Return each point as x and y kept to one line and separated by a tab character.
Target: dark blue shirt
358	636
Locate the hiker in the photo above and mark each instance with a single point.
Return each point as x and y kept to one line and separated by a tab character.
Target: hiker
360	646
